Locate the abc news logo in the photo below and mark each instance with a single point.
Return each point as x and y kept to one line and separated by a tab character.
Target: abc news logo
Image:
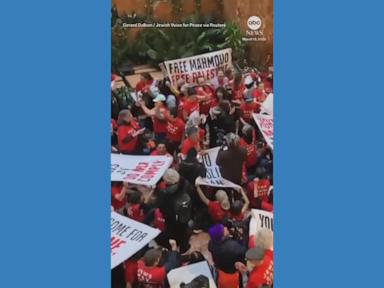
254	23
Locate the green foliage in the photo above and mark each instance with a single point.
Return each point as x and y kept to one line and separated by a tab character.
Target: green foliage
234	39
155	45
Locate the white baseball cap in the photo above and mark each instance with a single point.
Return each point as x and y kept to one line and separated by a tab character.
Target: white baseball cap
159	98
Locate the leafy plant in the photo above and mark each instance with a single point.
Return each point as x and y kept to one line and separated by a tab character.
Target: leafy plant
234	39
155	45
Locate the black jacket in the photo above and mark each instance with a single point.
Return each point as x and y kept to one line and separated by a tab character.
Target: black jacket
192	170
226	253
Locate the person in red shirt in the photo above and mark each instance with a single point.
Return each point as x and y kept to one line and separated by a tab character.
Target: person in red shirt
260	265
190	104
204	95
119	196
248	142
145	82
149	272
159	115
192	141
127	133
230	75
238	88
258	193
218	209
135	209
239	207
161	150
247	108
175	131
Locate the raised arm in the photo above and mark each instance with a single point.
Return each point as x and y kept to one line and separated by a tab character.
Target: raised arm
201	194
148	112
246	201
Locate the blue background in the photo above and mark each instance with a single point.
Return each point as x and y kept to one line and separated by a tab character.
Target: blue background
55	75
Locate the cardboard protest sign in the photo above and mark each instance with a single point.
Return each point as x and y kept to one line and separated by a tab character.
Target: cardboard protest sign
198	273
203	65
143	170
267	105
265	124
213	177
128	237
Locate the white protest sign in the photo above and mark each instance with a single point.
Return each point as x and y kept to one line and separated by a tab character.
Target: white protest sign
267	105
261	220
143	170
187	274
213	177
128	237
265	124
203	65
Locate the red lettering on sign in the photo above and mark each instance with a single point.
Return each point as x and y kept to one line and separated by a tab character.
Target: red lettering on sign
115	244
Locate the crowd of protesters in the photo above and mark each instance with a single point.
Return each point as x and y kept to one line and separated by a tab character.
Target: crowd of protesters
182	121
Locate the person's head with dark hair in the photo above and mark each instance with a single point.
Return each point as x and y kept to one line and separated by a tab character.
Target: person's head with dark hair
225	106
221	94
152	257
191	155
172	115
146	76
194	257
191	91
200	80
161	148
164	86
236	207
200	281
135	197
220	74
229	73
237	80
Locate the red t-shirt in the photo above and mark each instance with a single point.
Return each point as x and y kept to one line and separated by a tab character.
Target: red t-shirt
180	109
140	86
150	275
160	126
251	153
247	109
263	186
190	106
175	130
114	124
259	95
156	153
189	144
122	132
135	212
130	271
239	217
262	274
216	212
116	189
207	104
237	94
